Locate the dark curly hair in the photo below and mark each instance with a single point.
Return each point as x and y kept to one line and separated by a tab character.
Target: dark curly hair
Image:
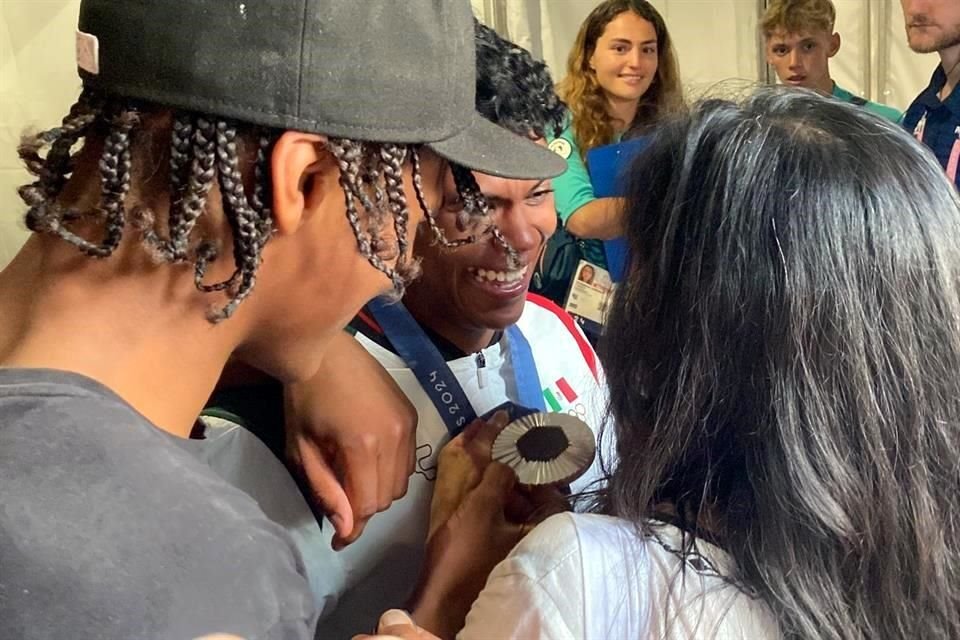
514	89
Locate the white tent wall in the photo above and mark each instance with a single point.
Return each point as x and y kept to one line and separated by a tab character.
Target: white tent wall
900	74
716	40
874	60
38	83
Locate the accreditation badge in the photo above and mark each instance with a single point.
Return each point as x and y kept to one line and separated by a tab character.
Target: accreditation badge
591	292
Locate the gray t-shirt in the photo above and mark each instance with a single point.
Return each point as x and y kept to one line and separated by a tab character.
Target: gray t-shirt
110	529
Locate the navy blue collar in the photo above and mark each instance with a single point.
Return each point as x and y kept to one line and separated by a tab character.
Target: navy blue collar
931	101
421	355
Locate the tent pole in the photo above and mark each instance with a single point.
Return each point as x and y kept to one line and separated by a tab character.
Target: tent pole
765	74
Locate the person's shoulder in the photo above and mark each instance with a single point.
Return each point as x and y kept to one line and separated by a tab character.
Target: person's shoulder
164	546
236	558
594	537
378	346
552	547
566	129
725	607
846	96
588	565
913	114
884	111
568	534
537	307
545	321
622	576
57	398
538	591
924	100
565	143
255	563
539	312
671	546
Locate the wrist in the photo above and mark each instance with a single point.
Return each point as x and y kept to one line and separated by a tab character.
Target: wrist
442	612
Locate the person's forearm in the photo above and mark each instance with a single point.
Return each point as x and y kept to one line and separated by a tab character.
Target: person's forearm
442	599
442	619
600	219
238	373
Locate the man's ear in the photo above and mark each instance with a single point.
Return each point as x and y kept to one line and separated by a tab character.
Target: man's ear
834	45
297	164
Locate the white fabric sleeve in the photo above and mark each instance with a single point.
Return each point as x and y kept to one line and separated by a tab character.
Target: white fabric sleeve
536	592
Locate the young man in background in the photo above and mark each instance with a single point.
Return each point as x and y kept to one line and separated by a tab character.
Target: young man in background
800	40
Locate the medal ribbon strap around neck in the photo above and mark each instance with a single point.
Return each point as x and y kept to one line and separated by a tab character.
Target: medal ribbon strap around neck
525	370
424	359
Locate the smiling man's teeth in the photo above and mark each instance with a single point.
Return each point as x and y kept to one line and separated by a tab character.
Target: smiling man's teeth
487	275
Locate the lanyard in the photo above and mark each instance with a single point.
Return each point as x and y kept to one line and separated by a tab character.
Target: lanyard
953	160
431	370
921	127
525	375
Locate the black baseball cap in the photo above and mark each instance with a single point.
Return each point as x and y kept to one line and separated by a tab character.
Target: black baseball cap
399	71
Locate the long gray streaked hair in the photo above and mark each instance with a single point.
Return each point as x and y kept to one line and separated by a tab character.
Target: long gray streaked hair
784	360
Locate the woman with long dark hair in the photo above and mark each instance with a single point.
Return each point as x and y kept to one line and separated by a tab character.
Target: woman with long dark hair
784	369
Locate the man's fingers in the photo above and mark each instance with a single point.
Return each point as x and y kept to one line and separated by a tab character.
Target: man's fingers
470	431
394	618
488	432
397	625
386	478
494	488
325	488
402	470
362	485
478	436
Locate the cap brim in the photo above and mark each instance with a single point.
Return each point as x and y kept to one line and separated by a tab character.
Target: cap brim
489	148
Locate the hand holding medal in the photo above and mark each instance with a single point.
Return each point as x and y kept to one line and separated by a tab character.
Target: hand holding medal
495	482
546	448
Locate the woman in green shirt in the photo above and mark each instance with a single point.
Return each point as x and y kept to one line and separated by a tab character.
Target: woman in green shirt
621	76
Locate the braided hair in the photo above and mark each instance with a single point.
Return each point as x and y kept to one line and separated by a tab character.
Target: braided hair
203	151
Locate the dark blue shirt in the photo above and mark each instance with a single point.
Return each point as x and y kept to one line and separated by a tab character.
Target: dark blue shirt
937	123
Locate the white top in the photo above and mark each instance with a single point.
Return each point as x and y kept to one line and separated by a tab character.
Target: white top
379	571
593	577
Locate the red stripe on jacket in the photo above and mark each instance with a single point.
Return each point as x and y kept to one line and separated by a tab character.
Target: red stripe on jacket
588	353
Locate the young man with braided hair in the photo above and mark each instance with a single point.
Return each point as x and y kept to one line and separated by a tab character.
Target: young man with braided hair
466	320
222	146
